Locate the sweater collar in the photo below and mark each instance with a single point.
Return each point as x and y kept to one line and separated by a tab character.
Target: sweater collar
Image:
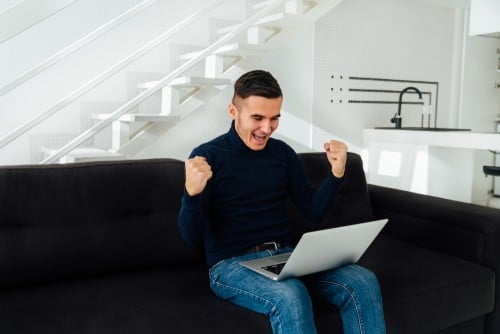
235	139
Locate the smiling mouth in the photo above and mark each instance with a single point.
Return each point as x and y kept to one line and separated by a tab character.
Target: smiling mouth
260	139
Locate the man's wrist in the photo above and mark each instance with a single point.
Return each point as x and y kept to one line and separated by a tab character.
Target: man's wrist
338	175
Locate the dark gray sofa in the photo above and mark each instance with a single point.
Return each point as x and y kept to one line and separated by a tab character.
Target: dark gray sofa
95	248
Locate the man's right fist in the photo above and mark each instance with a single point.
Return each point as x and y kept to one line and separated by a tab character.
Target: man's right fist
198	172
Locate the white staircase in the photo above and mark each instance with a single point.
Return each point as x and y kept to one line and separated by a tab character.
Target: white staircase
179	98
186	93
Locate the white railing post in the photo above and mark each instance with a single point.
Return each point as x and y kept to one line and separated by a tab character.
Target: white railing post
294	7
170	100
120	134
214	66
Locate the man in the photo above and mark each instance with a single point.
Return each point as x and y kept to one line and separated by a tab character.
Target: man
236	191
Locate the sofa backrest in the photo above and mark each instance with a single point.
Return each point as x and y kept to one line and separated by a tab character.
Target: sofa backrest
352	204
61	221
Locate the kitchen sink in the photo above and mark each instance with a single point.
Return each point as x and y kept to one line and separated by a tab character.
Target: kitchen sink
417	128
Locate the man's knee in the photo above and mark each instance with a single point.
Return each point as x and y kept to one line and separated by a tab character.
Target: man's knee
363	278
347	283
291	289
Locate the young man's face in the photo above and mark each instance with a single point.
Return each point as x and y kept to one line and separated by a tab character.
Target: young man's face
255	119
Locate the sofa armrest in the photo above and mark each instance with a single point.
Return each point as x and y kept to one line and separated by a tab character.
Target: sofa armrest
463	230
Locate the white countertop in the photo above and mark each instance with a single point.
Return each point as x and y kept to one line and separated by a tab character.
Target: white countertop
456	139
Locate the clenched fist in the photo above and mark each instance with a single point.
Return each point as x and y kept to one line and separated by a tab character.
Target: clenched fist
336	152
198	172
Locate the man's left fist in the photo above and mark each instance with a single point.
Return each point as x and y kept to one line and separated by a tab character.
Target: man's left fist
336	152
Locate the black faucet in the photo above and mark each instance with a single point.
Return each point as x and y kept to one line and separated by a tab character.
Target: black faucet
397	119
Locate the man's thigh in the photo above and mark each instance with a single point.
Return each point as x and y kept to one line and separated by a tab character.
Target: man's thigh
231	281
337	285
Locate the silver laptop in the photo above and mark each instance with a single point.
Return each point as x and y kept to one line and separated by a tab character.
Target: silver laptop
319	250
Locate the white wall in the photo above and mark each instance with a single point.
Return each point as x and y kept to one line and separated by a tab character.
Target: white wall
391	39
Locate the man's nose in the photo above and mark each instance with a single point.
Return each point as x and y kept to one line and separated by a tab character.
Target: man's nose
266	127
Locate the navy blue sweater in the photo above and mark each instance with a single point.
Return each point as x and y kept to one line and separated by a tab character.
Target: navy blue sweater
245	201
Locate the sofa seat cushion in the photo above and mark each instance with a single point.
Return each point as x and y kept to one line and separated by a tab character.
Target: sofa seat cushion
435	290
174	300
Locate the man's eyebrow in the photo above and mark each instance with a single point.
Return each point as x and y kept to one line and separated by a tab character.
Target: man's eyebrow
262	116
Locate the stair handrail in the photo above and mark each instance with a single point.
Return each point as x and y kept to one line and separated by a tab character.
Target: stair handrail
89	133
71	97
63	53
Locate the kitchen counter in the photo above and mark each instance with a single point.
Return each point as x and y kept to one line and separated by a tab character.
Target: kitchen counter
456	139
440	163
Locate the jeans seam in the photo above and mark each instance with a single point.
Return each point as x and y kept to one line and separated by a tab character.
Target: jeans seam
356	304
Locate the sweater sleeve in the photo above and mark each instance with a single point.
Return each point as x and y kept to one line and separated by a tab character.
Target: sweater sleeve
193	220
313	203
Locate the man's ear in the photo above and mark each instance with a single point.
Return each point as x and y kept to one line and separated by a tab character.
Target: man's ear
232	110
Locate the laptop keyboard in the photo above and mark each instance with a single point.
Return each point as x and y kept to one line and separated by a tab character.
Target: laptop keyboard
280	263
275	268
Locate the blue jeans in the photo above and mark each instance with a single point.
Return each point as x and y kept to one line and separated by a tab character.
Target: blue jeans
353	289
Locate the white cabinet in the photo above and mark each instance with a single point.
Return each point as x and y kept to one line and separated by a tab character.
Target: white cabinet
484	18
443	164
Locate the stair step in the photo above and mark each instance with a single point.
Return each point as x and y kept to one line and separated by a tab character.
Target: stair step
282	20
272	21
149	118
232	50
86	154
141	117
190	82
278	19
240	49
308	4
262	4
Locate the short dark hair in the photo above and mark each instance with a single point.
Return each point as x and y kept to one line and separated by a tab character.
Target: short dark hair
257	83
